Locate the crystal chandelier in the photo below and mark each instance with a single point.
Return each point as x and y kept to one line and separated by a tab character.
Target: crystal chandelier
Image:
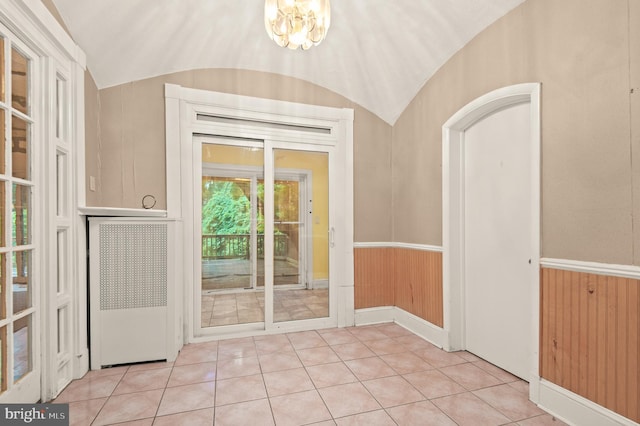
297	23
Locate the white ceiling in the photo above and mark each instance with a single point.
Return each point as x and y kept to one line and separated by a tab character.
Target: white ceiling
378	53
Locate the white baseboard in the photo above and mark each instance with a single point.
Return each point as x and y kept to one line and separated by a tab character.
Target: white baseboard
423	328
374	315
576	410
316	284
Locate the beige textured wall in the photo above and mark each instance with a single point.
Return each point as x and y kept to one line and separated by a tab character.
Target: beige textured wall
92	138
580	51
132	144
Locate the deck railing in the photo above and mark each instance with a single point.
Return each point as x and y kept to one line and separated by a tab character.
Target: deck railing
238	246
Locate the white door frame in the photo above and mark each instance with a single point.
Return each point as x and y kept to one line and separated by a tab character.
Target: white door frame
453	132
192	112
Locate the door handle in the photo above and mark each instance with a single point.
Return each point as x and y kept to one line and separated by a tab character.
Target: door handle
332	237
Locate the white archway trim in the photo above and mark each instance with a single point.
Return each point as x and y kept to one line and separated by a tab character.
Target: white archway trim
453	208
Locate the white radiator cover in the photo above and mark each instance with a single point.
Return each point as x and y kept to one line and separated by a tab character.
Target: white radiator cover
132	291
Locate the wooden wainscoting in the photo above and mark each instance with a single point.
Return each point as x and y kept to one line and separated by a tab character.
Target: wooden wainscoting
418	283
410	279
373	277
589	337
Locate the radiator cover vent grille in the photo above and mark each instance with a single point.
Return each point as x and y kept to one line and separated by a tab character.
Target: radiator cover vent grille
133	266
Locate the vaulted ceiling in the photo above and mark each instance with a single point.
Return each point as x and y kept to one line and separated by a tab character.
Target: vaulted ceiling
378	53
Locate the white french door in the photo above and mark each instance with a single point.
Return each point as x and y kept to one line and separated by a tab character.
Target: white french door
20	211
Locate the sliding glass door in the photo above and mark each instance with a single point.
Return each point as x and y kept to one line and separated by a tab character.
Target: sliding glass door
310	236
263	219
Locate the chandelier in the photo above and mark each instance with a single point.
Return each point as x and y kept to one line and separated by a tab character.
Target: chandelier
297	23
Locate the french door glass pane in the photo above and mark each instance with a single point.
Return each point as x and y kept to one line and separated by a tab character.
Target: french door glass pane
20	215
2	140
3	242
19	81
301	240
22	343
3	286
232	254
21	274
2	76
20	134
3	359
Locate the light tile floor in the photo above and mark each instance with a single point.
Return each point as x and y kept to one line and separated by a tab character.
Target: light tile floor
372	375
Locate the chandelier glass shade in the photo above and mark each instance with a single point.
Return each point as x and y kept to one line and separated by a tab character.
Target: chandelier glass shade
297	23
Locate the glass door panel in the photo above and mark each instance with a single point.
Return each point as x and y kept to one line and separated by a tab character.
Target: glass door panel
301	235
19	283
286	245
231	255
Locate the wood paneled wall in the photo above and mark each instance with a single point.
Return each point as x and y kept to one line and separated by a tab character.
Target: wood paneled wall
589	337
418	283
373	277
407	278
